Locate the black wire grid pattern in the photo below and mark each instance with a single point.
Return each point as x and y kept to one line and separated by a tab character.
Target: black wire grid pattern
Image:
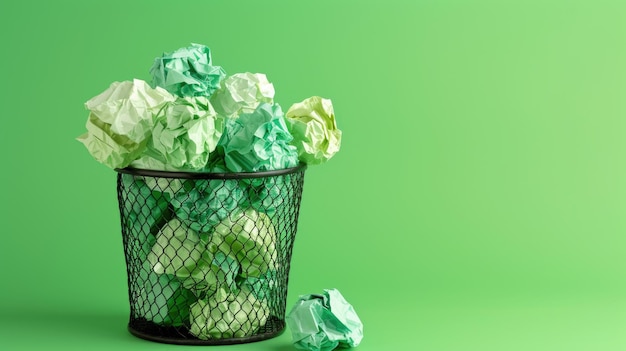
208	255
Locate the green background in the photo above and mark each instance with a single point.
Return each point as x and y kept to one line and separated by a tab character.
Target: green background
477	202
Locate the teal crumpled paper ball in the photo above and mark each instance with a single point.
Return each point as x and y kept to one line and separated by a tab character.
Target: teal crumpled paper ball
258	141
187	72
207	202
324	322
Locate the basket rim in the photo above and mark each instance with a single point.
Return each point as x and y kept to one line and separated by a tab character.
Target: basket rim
210	175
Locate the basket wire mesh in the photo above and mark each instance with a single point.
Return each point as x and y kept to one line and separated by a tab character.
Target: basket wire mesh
208	254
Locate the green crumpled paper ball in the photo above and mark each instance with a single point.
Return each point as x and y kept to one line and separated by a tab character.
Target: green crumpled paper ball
242	93
178	250
251	238
314	129
187	72
184	136
121	120
226	315
190	257
324	322
258	141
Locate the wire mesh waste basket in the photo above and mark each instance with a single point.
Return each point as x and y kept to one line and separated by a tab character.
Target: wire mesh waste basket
208	254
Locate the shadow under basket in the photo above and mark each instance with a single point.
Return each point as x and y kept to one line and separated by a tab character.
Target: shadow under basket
208	254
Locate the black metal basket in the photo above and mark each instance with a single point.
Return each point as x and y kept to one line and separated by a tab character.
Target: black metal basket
208	254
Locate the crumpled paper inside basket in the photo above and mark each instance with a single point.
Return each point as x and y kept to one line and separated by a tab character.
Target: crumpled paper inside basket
227	314
208	202
249	236
324	322
179	251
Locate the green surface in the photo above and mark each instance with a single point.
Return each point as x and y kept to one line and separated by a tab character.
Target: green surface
477	202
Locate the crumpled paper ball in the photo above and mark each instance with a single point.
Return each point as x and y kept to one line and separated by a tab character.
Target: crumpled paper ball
187	72
206	202
258	141
108	148
121	120
179	251
324	322
249	236
314	129
183	137
227	315
242	93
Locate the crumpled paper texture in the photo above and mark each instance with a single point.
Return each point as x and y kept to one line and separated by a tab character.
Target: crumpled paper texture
183	137
179	251
250	236
226	269
216	162
187	72
207	202
108	148
258	141
120	121
324	322
147	162
314	129
226	314
242	93
262	285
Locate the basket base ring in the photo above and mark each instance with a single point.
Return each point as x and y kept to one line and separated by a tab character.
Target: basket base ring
194	341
